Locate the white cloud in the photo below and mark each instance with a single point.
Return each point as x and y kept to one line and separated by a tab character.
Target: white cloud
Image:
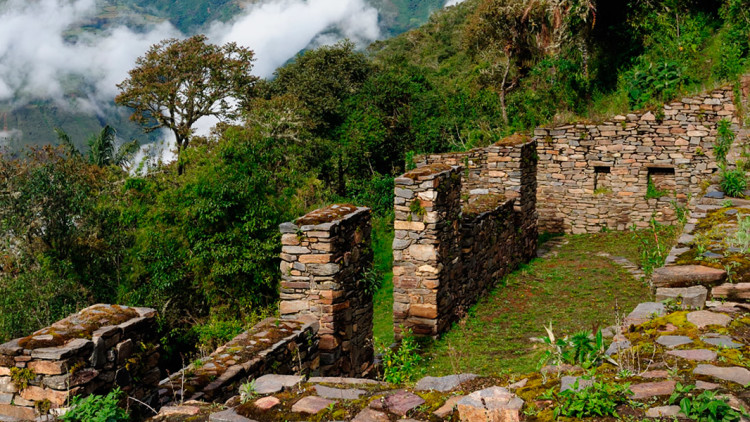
453	2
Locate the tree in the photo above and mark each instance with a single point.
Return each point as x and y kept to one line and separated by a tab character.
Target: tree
179	81
102	148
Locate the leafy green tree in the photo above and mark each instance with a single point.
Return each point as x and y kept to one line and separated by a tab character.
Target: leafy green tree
179	81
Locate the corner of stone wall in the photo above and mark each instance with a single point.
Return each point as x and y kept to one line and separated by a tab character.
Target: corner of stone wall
426	247
325	255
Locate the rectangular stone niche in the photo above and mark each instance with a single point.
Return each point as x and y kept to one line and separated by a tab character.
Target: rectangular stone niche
325	259
663	178
92	351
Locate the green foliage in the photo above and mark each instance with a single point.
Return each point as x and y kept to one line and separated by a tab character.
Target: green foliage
598	400
733	182
707	406
96	408
652	192
723	142
401	365
741	238
247	391
652	246
582	348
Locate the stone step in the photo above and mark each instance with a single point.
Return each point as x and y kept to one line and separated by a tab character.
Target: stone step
688	275
730	291
688	297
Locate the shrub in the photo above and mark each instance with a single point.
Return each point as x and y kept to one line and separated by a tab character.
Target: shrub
733	182
705	407
582	348
96	408
723	142
402	364
599	399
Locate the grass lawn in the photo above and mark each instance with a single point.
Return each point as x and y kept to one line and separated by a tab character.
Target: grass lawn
575	290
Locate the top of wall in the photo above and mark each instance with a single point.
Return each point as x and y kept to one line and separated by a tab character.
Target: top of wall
82	326
328	214
426	172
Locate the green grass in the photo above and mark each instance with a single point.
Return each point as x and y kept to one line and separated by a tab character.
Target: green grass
575	290
382	240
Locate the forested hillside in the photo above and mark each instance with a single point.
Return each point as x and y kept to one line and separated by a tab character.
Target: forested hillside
334	125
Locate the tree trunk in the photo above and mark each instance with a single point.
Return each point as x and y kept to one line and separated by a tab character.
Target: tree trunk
502	91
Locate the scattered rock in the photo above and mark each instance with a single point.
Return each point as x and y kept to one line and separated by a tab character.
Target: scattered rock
519	384
343	380
688	275
714	255
715	195
652	389
660	373
311	405
702	319
402	402
721	341
673	341
688	297
618	346
644	312
443	384
494	404
567	383
228	416
694	354
663	412
732	291
179	411
447	408
735	374
370	415
271	384
267	403
702	385
339	393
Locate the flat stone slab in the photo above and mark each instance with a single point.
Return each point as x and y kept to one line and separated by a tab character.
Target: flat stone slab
339	393
673	341
721	341
74	347
494	404
658	373
402	402
311	405
270	384
732	291
567	382
735	374
443	384
228	416
663	412
370	415
688	275
703	385
688	297
694	354
181	410
702	319
644	312
267	403
448	408
652	389
343	380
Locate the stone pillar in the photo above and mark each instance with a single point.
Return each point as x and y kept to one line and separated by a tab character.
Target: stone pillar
324	262
94	350
426	248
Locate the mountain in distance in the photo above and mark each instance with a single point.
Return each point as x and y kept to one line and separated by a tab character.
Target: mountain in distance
33	122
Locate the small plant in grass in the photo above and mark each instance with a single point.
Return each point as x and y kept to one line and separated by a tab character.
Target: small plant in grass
402	364
582	348
741	238
248	391
598	400
733	182
706	406
653	251
681	212
96	408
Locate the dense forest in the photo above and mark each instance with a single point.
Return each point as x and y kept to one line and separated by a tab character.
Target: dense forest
335	124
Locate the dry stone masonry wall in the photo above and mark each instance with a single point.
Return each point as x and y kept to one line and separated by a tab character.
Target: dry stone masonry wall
92	351
325	260
270	347
595	176
454	241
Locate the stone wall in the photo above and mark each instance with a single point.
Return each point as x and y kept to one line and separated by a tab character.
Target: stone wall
595	176
93	351
452	241
325	260
270	347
